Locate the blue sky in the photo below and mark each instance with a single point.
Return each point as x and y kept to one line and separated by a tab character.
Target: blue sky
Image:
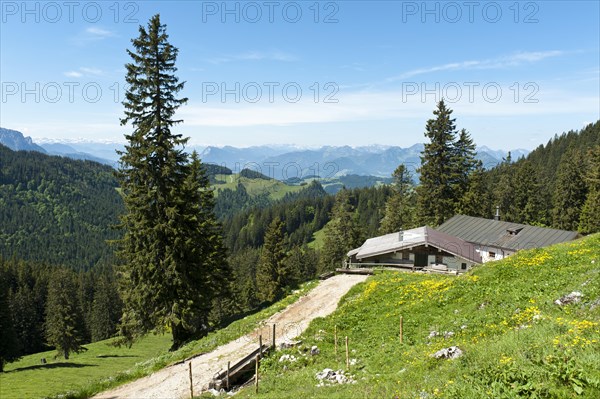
310	73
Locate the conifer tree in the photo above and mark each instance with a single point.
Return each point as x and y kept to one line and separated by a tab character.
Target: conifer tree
503	190
28	318
105	309
570	191
271	272
172	253
528	203
302	263
589	221
399	208
464	163
341	233
63	317
476	200
436	191
9	344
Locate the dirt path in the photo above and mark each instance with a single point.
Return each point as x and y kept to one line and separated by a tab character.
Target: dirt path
173	382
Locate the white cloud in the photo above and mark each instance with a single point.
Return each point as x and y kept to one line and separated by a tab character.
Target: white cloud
92	35
73	74
512	60
99	32
84	71
386	105
91	71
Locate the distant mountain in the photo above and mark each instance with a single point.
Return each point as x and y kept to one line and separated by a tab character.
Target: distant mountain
17	142
237	159
500	154
70	152
106	151
285	162
327	162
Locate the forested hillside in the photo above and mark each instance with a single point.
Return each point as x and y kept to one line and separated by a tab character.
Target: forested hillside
554	184
56	216
56	210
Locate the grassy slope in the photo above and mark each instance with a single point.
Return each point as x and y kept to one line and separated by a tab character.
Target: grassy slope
103	366
516	341
254	187
318	239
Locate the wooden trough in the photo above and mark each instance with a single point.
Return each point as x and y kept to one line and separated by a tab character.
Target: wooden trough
363	271
240	372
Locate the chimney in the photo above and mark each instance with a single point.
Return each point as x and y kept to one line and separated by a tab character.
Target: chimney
401	235
497	215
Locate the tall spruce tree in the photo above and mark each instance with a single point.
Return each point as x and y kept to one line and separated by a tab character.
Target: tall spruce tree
503	183
399	208
28	320
172	253
436	192
342	233
63	314
106	304
476	200
529	204
570	191
271	272
589	222
9	344
464	164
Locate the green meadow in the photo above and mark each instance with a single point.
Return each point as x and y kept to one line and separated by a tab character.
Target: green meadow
516	341
103	366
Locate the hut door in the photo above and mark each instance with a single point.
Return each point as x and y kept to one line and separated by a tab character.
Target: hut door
420	260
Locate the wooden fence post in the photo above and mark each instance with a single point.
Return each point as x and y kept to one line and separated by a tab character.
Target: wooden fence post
260	345
228	368
191	381
273	336
401	329
347	354
256	375
335	338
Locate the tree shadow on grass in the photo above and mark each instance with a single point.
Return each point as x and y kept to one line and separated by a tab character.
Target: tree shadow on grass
53	366
108	356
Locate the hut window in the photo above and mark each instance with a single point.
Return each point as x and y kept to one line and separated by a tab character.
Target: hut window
463	266
492	254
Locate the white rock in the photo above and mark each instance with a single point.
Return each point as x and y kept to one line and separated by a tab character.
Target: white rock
452	352
325	374
328	377
448	334
287	358
573	297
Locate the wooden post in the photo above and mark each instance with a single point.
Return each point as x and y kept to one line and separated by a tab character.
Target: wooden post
273	336
256	375
335	338
347	354
260	345
228	368
191	382
401	329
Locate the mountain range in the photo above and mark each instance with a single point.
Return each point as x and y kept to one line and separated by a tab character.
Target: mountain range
282	162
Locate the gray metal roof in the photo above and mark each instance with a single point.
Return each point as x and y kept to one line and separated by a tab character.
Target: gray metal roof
496	233
408	239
